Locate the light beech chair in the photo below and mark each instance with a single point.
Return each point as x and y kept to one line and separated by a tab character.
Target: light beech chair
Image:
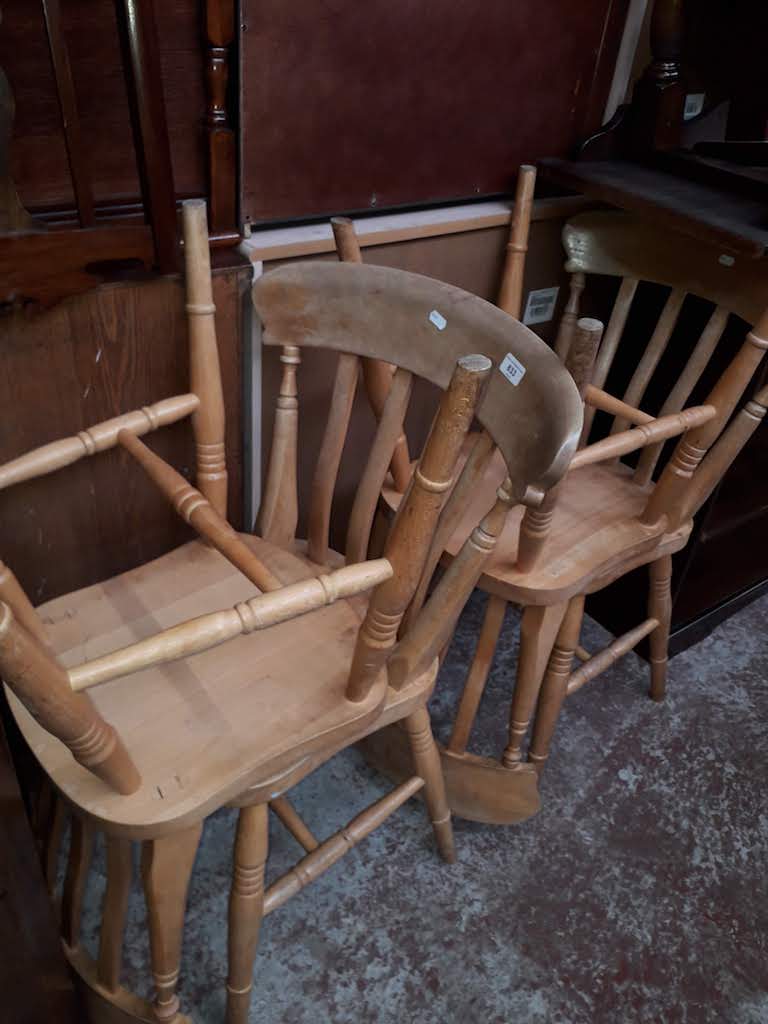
604	519
227	670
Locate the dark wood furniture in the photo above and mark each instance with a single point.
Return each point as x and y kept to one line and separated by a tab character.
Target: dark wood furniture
678	174
120	108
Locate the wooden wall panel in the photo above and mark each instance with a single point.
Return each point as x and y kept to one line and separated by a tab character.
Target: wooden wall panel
351	106
39	161
96	355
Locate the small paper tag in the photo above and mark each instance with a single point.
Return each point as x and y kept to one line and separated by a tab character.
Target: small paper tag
512	369
540	306
694	104
438	320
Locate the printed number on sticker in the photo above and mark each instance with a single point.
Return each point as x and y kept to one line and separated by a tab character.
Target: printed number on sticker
512	369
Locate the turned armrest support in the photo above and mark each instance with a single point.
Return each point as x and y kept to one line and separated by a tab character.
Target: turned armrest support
98	438
605	402
206	631
194	509
638	437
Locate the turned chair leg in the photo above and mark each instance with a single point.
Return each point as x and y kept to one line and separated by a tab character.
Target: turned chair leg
427	761
478	674
166	867
555	685
538	629
659	607
246	908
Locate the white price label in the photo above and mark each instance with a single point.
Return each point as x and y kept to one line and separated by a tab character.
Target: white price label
438	320
512	369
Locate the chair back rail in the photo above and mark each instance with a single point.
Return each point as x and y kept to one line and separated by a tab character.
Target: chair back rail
379	311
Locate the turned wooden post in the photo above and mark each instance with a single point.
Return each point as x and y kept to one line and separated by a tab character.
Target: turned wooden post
204	370
280	505
427	761
166	867
42	685
669	496
411	533
720	457
246	908
659	608
555	684
433	626
377	374
537	521
15	597
511	289
570	315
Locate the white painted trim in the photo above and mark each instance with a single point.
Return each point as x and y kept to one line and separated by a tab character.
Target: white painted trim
310	239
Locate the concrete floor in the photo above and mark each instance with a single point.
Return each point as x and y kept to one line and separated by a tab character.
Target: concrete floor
638	894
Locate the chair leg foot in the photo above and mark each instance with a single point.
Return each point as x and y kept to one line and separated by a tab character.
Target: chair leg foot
659	607
246	908
427	760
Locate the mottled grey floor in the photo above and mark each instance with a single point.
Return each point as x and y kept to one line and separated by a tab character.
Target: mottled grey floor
638	894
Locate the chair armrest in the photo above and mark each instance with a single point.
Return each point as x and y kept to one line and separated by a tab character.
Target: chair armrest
638	437
200	634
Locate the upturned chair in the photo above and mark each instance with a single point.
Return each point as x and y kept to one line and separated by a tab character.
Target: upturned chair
604	519
227	670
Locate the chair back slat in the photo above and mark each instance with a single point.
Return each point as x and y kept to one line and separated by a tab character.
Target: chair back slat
367	497
327	467
279	513
683	387
411	534
654	350
377	374
610	342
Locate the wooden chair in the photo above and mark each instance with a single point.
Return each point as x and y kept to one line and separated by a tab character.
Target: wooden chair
603	519
186	711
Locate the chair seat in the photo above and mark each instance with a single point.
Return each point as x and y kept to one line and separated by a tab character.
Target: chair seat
202	730
596	535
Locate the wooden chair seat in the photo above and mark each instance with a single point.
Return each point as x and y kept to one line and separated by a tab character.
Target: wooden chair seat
596	533
200	730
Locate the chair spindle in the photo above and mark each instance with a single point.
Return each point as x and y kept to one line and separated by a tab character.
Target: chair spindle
327	468
279	513
368	491
208	420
